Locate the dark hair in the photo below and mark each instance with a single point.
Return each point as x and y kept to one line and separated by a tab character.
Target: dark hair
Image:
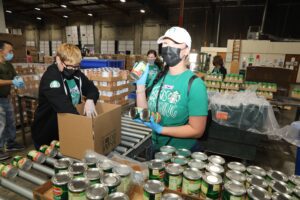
159	76
151	51
218	61
3	42
28	52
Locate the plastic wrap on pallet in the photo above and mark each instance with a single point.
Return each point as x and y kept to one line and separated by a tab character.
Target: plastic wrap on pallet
244	110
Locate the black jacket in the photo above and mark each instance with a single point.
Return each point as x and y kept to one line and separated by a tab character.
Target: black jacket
222	70
54	97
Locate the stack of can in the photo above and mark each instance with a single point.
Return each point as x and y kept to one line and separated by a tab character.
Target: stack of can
90	179
196	174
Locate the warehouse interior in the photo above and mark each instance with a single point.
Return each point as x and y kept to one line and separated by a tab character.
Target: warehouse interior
252	111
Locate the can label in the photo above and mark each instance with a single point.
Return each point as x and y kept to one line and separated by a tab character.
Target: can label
21	162
156	174
173	182
50	151
2	166
5	170
77	196
148	196
43	148
124	186
210	191
138	70
55	144
60	192
34	155
228	196
191	187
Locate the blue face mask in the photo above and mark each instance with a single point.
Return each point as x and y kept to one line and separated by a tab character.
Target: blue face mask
9	56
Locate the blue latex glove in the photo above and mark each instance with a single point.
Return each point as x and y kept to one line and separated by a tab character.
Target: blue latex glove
152	124
143	79
18	82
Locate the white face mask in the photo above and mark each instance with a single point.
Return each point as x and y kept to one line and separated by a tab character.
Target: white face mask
151	61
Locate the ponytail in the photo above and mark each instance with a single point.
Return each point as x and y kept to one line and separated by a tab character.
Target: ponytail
159	76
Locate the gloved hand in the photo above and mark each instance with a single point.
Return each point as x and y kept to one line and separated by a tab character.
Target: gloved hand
152	124
89	109
18	82
143	79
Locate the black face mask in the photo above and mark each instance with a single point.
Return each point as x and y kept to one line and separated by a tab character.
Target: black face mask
171	55
69	73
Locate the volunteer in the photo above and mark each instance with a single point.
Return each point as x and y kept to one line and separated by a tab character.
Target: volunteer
219	66
177	95
61	88
8	77
154	69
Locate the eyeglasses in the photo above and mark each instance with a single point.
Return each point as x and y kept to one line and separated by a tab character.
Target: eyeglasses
73	67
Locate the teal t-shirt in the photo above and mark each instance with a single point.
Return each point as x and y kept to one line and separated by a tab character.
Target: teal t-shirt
175	106
153	71
74	91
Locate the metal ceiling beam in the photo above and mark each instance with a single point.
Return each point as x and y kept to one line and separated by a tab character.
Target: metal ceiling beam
110	5
155	7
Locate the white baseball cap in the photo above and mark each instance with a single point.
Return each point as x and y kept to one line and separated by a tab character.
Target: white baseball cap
178	34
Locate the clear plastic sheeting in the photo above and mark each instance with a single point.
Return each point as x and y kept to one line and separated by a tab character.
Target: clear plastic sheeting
290	133
243	110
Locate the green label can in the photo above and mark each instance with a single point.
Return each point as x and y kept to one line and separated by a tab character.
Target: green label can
36	156
200	156
112	181
105	165
77	188
236	166
77	169
55	144
97	191
164	156
254	192
138	70
60	185
234	191
184	152
293	181
21	162
62	164
168	149
191	183
173	177
255	170
181	160
216	160
153	190
91	161
156	169
211	186
93	175
125	173
276	175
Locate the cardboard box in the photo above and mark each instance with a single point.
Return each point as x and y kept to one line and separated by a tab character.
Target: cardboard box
43	192
78	133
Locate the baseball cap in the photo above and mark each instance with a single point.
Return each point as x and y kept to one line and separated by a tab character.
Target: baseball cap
178	34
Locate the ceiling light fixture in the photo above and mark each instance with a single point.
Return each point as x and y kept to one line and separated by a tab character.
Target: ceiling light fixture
65	16
37	9
123	1
142	11
8	11
38	18
90	14
63	6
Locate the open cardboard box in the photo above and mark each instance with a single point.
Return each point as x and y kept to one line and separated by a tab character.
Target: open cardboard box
78	133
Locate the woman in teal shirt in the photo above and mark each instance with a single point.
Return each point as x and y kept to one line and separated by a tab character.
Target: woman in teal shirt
154	69
183	108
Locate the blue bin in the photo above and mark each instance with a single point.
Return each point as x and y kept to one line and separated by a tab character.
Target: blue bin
93	63
132	95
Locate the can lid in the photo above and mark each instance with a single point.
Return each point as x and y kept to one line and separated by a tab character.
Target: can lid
192	174
197	164
277	175
258	193
179	160
183	152
90	160
156	164
216	159
215	168
92	173
235	188
69	160
199	156
61	164
280	187
97	191
236	176
164	156
168	149
236	166
118	196
255	170
111	180
171	196
281	196
257	181
212	179
122	170
61	178
174	169
154	186
77	168
295	179
105	164
78	184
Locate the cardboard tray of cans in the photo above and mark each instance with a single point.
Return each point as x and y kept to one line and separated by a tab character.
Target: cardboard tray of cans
115	97
213	86
229	88
43	192
232	81
113	88
295	96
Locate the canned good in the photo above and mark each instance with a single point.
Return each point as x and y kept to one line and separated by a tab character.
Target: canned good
173	176
138	70
106	166
181	160
234	190
215	168
156	169
236	166
164	156
296	192
276	175
118	196
281	196
171	196
169	149
62	164
191	182
77	169
77	188
200	156
134	112
91	161
36	156
93	175
293	181
211	186
256	181
21	162
184	152
216	159
60	185
279	186
145	115
197	164
257	193
8	171
235	176
97	192
48	150
112	181
153	190
255	170
55	144
125	173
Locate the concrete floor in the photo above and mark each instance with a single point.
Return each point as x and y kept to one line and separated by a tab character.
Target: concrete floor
278	155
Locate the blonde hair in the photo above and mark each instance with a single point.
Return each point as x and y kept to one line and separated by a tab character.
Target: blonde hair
69	53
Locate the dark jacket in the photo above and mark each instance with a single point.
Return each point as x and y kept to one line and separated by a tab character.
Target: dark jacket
222	71
54	97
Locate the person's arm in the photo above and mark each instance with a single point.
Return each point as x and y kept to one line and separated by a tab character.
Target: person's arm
89	90
5	82
141	100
